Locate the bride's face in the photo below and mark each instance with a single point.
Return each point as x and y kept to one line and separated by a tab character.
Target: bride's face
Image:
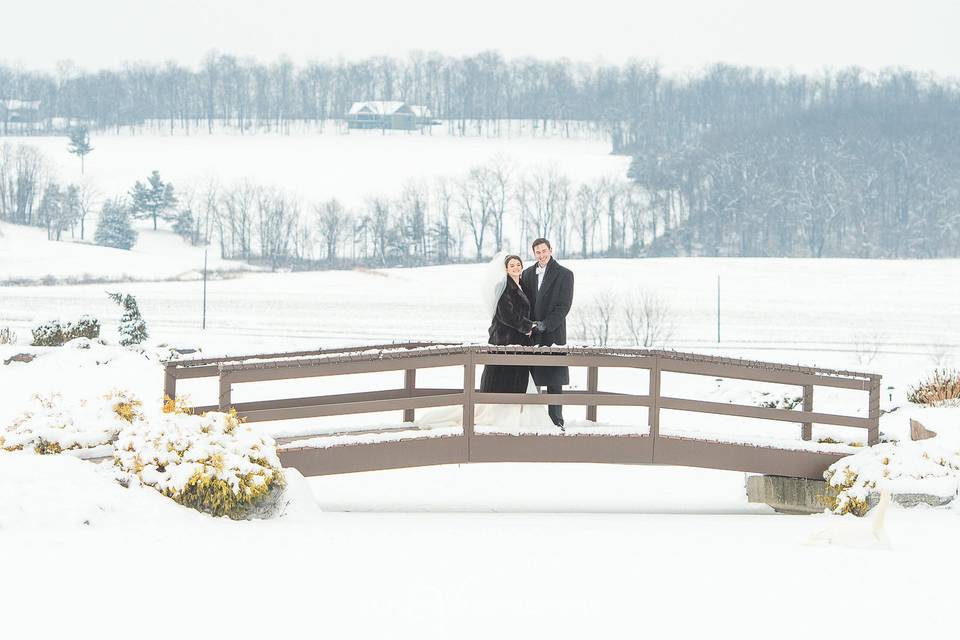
514	267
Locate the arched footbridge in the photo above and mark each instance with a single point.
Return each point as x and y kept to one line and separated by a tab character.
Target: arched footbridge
793	452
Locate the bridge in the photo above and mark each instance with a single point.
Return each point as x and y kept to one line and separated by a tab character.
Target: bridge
406	446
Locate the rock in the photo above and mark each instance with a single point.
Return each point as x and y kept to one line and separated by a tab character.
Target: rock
20	357
919	432
909	500
802	496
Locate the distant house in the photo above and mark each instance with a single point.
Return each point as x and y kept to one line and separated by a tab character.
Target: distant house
424	116
387	114
19	110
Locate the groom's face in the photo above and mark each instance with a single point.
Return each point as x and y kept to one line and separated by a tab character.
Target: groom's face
542	252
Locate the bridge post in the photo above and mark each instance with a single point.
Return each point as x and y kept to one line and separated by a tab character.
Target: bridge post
409	384
170	381
469	373
873	431
592	382
653	413
806	432
225	392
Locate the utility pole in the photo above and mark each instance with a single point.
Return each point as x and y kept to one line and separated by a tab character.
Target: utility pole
204	325
718	308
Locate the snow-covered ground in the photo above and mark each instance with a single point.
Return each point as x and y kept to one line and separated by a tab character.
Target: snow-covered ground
319	165
27	257
564	551
483	550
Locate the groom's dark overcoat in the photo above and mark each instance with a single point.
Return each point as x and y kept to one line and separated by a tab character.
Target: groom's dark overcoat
550	304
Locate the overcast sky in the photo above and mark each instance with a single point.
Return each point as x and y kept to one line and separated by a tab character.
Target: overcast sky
683	35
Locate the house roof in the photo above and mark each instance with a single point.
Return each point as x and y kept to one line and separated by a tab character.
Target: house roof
379	107
421	111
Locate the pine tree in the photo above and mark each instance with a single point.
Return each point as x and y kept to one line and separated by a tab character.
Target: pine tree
183	226
79	144
113	227
133	329
155	199
51	205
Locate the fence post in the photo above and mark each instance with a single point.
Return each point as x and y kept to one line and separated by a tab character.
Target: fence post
593	375
225	392
469	374
806	431
653	414
170	381
409	384
873	431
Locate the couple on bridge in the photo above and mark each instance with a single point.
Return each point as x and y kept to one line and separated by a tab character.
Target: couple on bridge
528	307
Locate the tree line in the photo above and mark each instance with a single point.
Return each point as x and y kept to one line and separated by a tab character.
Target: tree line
732	161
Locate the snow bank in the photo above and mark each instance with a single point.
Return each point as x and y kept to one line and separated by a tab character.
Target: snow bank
48	492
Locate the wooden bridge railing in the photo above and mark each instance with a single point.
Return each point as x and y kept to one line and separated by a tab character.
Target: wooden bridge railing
649	447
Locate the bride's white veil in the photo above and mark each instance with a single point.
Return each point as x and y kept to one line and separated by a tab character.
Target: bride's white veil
493	281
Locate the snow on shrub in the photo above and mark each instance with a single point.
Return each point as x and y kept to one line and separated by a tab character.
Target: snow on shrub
52	424
925	466
212	463
54	333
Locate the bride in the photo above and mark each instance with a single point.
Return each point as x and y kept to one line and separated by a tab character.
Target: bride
510	324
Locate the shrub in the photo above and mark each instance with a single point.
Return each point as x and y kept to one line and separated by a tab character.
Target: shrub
910	467
55	334
942	386
54	425
212	463
7	336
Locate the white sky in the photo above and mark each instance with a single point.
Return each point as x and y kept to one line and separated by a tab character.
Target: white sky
682	35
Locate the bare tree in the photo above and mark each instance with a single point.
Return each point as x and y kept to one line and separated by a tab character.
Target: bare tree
332	223
593	323
648	319
543	197
277	219
473	212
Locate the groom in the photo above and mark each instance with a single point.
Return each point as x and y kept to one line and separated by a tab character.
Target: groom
549	287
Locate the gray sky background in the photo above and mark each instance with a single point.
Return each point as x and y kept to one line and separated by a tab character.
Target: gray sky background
683	35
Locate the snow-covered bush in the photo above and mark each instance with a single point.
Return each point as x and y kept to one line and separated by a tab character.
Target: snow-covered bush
212	463
7	336
941	387
55	333
925	467
52	424
133	330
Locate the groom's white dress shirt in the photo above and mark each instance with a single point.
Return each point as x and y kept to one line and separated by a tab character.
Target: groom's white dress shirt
540	272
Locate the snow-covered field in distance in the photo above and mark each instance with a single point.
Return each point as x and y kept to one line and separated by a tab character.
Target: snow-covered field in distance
831	312
317	165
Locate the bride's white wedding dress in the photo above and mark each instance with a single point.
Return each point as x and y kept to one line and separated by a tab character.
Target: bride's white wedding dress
507	417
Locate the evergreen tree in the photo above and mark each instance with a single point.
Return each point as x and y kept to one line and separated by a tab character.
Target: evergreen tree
184	225
51	205
155	199
113	227
79	144
133	330
72	209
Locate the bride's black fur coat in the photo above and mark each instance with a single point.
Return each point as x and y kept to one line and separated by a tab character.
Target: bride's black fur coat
512	320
